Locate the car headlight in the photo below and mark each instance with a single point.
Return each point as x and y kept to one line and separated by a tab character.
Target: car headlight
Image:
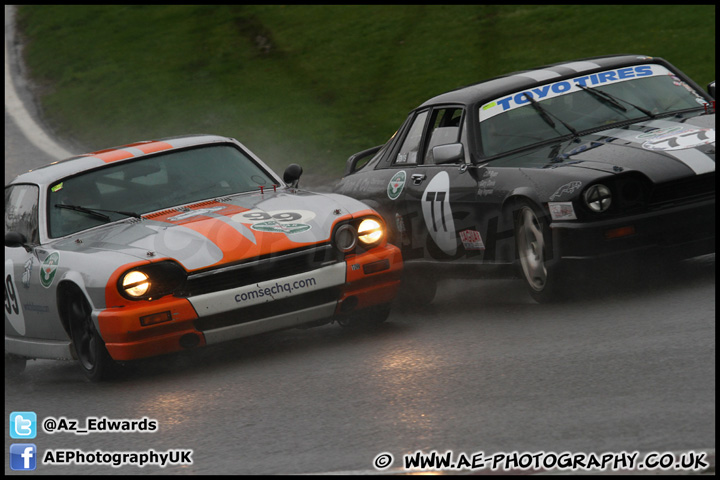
366	232
598	198
135	283
151	281
370	232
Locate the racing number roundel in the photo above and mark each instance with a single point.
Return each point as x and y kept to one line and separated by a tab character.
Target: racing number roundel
13	308
437	213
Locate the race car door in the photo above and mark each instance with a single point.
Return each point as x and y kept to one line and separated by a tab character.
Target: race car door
21	218
30	309
440	219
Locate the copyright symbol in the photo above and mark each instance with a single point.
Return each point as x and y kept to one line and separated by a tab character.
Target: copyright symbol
383	461
49	425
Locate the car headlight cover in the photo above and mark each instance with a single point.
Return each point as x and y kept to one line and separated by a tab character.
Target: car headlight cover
598	198
136	283
345	238
370	231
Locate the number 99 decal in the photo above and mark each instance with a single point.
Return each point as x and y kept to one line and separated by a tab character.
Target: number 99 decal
255	216
13	310
288	222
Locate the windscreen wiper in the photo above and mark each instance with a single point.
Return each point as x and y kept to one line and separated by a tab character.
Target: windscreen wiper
606	99
545	115
614	101
95	212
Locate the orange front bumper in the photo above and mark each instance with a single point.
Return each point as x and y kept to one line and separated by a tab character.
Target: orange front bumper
373	278
130	331
126	338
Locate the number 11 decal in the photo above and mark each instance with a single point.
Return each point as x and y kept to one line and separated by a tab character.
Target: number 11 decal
438	214
438	197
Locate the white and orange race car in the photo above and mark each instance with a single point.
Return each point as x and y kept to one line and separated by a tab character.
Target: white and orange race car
172	244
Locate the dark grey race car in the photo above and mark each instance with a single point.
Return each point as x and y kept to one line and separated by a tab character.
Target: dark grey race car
590	159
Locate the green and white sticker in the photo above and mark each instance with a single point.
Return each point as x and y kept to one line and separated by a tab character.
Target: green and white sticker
396	185
49	269
273	226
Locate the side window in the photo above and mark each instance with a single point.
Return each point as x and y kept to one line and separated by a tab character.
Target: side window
21	211
444	129
408	152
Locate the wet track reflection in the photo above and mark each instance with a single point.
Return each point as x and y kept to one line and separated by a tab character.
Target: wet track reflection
627	367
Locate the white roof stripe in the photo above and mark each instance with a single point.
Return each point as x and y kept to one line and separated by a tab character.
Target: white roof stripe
542	75
580	66
538	75
135	151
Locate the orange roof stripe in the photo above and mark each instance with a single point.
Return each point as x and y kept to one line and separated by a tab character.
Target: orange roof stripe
114	154
151	147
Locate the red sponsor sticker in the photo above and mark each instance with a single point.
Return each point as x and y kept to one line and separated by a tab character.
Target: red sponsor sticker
472	240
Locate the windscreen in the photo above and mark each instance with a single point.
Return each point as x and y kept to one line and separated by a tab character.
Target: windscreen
149	184
609	97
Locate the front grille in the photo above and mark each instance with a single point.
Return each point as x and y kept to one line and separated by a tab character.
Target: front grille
268	309
686	189
259	270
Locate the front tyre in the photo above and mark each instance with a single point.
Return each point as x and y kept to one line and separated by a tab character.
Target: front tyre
532	240
94	358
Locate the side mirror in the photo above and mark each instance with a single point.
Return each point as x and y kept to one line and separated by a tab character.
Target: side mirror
15	239
711	89
292	175
450	153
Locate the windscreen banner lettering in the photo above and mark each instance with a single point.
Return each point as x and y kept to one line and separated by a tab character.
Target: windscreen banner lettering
556	89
